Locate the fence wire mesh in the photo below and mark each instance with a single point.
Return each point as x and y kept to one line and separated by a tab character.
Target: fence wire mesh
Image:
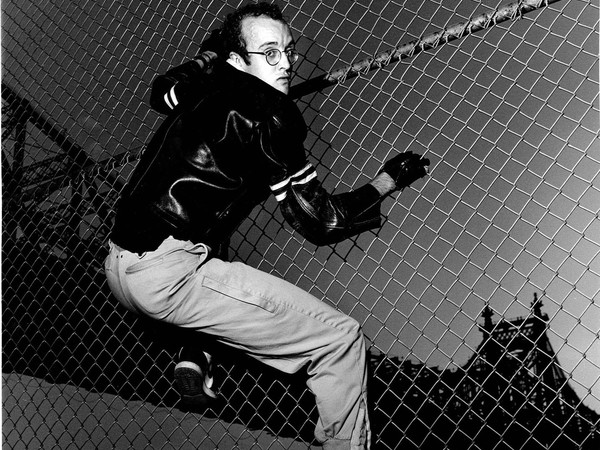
478	296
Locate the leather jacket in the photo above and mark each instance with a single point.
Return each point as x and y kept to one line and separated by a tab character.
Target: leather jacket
229	141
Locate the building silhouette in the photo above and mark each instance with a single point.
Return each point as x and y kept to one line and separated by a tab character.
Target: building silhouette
511	394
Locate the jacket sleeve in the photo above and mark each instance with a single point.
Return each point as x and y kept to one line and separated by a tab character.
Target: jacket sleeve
321	217
324	218
182	85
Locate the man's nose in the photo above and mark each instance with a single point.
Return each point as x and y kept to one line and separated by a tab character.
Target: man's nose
284	63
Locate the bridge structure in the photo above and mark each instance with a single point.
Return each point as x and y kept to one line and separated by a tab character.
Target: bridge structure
55	194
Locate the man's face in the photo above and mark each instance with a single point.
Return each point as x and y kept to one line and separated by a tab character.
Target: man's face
262	34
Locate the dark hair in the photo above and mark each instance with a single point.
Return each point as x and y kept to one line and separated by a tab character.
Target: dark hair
231	31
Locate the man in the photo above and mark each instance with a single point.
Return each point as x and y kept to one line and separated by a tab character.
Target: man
231	138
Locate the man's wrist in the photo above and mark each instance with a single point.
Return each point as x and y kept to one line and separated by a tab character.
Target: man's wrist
384	183
205	59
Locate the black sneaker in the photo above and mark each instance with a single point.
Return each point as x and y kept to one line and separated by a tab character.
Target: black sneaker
194	380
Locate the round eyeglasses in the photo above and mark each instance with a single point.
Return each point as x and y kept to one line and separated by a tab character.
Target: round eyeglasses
273	56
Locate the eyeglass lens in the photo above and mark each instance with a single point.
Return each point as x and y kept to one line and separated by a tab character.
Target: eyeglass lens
274	56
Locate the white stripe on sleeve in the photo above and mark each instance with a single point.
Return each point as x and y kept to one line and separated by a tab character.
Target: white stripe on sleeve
166	99
303	176
173	97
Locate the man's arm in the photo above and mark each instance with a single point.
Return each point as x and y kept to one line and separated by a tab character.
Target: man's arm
323	218
182	85
187	83
319	216
384	184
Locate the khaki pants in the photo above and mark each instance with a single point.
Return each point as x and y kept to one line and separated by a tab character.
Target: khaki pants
264	316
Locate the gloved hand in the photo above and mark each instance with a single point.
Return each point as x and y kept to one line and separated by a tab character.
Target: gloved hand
213	43
405	168
210	49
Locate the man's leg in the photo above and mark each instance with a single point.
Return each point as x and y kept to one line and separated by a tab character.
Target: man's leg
268	318
193	370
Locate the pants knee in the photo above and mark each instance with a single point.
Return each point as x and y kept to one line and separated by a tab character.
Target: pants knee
355	332
353	337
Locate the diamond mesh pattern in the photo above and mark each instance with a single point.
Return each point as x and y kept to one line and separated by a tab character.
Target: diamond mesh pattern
477	296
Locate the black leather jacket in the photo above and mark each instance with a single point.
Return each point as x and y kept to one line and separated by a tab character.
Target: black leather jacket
228	141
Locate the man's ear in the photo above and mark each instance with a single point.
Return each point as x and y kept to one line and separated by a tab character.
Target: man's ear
236	60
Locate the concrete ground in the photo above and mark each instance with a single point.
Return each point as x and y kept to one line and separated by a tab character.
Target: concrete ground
40	415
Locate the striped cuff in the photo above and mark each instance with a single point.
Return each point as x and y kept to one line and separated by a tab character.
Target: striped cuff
303	176
171	99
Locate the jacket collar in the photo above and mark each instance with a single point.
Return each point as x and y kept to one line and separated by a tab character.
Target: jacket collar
232	77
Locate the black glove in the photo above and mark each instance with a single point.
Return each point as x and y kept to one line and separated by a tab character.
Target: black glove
210	49
213	43
405	168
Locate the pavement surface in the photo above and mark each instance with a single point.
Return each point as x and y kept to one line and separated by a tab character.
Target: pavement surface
41	415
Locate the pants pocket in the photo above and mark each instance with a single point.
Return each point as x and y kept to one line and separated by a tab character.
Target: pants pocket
145	263
240	294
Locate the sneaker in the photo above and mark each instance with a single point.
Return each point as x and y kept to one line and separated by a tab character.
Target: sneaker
195	383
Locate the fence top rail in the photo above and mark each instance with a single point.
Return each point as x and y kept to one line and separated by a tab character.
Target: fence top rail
509	11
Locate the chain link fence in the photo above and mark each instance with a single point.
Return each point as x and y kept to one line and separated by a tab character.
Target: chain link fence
478	296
